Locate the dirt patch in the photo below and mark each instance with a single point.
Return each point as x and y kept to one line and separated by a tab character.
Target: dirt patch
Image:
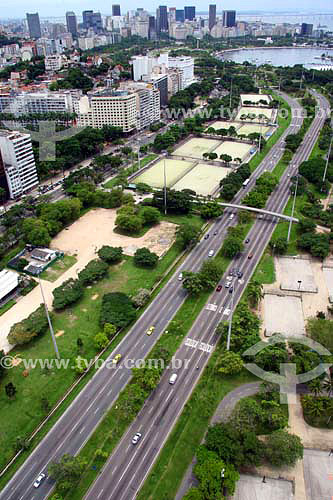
94	297
16	361
60	333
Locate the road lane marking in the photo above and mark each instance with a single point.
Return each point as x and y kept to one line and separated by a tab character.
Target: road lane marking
100	492
82	429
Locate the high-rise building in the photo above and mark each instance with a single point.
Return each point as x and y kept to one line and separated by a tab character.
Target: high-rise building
71	23
116	10
306	29
18	162
189	13
229	18
34	25
151	27
212	16
86	18
172	14
160	82
162	18
180	17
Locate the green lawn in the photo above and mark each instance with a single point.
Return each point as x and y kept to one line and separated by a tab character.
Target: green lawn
55	270
265	272
20	416
7	306
130	170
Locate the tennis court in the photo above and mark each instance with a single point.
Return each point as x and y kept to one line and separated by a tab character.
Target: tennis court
154	176
234	149
252	128
203	179
255	98
196	147
248	110
220	124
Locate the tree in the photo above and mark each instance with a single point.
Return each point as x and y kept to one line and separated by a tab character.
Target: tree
232	246
147	377
129	223
270	358
210	210
225	158
316	386
283	448
69	292
141	298
150	215
321	330
187	235
109	330
111	255
95	270
254	292
210	273
67	471
35	232
192	282
34	325
230	363
278	245
100	340
10	390
145	258
193	494
328	385
117	309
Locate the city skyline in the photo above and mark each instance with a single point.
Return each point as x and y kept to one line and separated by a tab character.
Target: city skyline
48	9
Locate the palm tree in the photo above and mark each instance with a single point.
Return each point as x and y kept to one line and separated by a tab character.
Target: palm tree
255	292
328	385
316	409
316	386
329	410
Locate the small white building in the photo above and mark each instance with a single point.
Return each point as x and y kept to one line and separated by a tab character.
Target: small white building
55	62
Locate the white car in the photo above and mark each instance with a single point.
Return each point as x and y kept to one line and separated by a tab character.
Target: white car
211	253
231	216
180	276
39	480
136	438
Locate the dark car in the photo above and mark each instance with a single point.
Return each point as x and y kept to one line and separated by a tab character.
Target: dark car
215	233
239	274
206	236
231	289
247	240
250	256
219	288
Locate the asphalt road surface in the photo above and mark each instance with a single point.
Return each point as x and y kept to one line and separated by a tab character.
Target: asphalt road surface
129	465
75	426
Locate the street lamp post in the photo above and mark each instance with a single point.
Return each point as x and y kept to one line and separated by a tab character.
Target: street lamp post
230	94
49	320
230	320
292	210
165	182
299	284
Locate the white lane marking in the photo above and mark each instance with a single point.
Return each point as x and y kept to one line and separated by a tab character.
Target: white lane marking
100	492
109	392
82	429
96	411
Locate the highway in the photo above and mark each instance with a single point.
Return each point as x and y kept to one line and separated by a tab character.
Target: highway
129	465
75	426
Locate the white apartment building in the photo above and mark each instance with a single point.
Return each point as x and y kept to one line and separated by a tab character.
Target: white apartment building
55	62
39	102
147	102
86	43
18	162
186	65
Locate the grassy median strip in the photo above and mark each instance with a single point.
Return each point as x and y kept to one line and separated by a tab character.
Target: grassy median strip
179	450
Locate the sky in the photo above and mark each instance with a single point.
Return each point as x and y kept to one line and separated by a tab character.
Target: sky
47	8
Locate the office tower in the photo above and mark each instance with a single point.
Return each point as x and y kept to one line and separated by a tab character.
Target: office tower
229	18
162	18
151	27
71	23
306	29
34	25
18	161
96	22
189	13
212	16
172	14
180	15
116	10
86	18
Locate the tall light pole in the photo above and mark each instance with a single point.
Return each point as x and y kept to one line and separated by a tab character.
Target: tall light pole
230	320
138	158
328	154
292	210
49	320
230	94
165	182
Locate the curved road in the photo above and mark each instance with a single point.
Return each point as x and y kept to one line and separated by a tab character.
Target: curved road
78	422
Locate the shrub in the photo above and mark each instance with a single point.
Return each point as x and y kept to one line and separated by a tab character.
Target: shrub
68	293
95	270
34	325
111	255
117	309
144	257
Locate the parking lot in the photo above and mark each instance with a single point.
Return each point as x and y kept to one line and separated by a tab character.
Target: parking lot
318	474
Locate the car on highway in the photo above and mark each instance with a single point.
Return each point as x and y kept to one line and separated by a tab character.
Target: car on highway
231	289
180	276
250	256
215	233
210	253
150	330
136	438
116	359
219	288
173	378
227	284
247	240
206	236
239	274
39	480
231	216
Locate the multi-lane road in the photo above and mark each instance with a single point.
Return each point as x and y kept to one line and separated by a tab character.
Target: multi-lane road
78	422
129	465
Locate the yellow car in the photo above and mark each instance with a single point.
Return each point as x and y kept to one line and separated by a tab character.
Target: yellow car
150	330
116	358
